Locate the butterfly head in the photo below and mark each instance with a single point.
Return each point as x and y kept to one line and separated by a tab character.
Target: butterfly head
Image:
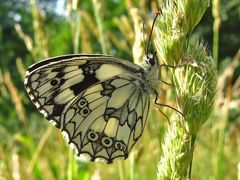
151	62
151	66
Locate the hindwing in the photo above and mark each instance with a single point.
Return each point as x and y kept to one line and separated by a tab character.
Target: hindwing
96	100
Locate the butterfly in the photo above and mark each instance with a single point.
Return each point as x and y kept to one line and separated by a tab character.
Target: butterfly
99	102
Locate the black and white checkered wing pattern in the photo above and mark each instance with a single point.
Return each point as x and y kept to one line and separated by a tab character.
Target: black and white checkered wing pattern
97	101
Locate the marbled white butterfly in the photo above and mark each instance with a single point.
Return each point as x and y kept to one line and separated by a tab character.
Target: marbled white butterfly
99	102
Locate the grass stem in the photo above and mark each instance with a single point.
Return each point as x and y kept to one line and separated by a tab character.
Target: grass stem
216	27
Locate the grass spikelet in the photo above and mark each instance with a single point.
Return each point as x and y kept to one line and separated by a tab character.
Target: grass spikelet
195	84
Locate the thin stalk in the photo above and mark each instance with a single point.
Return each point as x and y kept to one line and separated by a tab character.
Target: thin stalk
121	170
74	18
39	148
70	165
16	99
132	167
216	27
77	31
238	171
219	173
15	167
40	35
97	5
137	49
193	139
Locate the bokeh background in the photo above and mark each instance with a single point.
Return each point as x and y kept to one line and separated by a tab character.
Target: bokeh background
31	30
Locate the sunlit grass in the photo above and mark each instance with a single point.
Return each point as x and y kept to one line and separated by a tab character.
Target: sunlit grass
30	148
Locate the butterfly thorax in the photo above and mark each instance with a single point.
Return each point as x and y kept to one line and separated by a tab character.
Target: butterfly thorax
151	73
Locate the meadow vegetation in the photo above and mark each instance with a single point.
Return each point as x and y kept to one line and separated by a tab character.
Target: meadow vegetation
201	35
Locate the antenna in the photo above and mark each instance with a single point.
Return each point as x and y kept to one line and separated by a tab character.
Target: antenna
144	40
150	35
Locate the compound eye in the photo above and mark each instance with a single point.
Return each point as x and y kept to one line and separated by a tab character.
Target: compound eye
107	141
152	61
93	136
82	102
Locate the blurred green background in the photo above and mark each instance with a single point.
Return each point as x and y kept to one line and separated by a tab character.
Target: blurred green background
31	30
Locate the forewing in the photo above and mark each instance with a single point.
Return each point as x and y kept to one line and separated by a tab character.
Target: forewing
54	82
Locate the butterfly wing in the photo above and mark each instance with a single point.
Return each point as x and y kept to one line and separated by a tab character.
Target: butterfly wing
107	119
67	76
95	100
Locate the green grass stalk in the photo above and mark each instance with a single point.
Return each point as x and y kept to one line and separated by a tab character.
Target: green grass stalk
195	83
70	165
132	167
16	99
138	48
73	9
221	135
219	172
39	148
97	7
219	164
40	36
225	99
121	170
216	27
77	30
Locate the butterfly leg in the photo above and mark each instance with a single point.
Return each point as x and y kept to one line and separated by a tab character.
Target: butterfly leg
169	66
157	104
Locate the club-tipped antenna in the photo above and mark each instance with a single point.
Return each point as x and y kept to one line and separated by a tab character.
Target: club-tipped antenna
144	40
150	35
